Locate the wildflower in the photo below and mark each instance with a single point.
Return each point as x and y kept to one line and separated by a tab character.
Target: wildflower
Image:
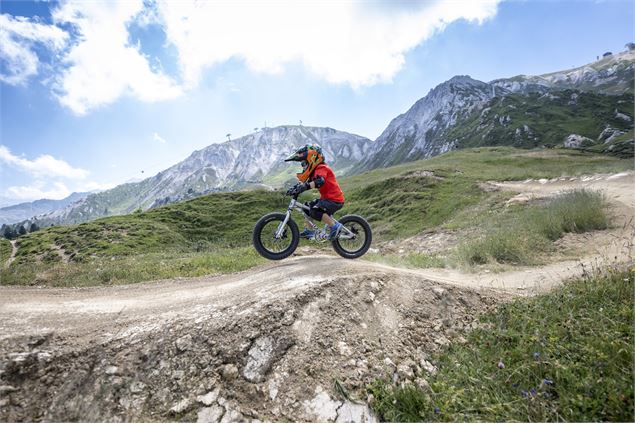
524	393
533	392
437	410
501	365
536	355
547	381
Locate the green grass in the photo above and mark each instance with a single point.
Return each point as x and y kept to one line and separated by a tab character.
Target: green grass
5	251
133	268
195	225
398	201
565	356
521	234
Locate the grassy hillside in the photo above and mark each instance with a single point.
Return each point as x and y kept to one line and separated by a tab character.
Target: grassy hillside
564	356
535	119
5	251
193	237
196	224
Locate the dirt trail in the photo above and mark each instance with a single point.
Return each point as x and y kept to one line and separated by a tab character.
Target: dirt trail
262	344
14	251
619	187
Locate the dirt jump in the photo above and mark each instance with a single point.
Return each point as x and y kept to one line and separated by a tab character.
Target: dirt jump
296	340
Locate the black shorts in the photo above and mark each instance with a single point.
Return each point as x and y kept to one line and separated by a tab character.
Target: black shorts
318	207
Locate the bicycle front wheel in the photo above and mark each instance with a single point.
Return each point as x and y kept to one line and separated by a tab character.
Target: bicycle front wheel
265	241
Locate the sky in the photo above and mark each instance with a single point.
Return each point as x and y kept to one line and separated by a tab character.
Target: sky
97	93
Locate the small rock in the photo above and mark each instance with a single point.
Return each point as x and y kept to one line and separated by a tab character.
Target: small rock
18	357
44	356
112	370
422	384
232	416
388	362
428	367
442	341
181	406
259	360
370	400
5	389
229	372
438	291
184	343
37	340
4	402
211	414
344	349
405	371
209	398
350	412
289	318
178	374
137	387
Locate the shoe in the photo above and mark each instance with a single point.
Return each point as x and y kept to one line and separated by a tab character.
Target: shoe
307	233
335	231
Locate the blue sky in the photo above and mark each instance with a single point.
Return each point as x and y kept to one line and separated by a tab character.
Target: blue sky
95	94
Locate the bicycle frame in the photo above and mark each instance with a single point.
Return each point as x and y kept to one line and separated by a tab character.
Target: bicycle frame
295	204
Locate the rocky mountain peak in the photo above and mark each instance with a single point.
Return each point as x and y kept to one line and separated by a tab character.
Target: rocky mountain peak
253	160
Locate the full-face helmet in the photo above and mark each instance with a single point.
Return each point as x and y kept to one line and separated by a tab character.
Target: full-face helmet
310	156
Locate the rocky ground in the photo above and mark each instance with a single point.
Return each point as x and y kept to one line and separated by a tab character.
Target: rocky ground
300	344
296	340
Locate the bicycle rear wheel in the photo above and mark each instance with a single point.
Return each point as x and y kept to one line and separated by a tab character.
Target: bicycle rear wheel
267	244
355	240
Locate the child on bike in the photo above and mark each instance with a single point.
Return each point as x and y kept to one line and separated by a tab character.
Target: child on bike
317	174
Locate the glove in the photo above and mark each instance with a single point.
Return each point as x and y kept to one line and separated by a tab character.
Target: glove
298	189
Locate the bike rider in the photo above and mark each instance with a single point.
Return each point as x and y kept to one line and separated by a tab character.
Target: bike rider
317	174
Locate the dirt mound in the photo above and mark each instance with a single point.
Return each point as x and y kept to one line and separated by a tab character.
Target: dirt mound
276	353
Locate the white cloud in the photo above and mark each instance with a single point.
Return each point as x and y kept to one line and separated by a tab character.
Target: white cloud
37	191
342	42
102	64
18	36
156	137
43	166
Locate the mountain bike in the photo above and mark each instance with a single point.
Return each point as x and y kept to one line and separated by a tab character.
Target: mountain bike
276	235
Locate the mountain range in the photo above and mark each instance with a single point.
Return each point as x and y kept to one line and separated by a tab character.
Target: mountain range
531	110
22	211
589	106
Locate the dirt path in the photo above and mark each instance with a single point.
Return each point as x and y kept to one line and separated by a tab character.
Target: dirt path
14	251
618	187
265	343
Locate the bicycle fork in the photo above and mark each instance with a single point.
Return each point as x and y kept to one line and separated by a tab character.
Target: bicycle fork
282	224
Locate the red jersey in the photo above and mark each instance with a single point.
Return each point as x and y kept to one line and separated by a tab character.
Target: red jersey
331	189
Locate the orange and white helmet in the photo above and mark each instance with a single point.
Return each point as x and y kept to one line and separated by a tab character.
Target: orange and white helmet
310	156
